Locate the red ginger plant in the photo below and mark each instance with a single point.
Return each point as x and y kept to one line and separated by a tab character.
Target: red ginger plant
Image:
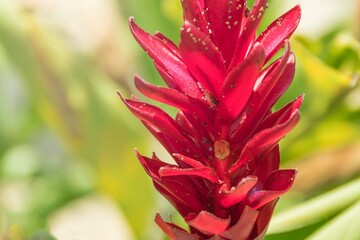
226	180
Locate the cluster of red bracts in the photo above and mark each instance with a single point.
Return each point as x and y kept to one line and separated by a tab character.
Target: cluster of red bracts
226	180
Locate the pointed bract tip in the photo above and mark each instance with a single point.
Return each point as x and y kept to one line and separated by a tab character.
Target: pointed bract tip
296	12
131	20
298	8
300	98
134	28
138	81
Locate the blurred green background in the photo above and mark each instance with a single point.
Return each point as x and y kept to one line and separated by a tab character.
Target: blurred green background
67	163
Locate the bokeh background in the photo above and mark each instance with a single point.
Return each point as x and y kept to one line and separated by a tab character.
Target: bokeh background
67	163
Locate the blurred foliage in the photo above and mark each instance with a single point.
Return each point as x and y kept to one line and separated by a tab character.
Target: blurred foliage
65	135
64	132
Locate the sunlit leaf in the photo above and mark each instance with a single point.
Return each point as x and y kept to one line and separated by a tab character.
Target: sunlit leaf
319	75
345	226
317	209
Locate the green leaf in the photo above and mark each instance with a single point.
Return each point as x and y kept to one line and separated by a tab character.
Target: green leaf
345	226
344	53
320	75
317	209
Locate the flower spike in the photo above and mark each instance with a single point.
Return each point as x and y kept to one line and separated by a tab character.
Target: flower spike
225	179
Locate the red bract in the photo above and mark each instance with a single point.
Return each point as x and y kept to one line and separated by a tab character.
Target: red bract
225	180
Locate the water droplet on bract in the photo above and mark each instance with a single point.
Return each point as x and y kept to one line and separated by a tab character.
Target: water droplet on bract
239	6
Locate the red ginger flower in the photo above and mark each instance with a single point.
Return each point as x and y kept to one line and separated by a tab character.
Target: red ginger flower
224	139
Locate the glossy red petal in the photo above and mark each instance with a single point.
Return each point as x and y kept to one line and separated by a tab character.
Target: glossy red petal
242	229
179	191
236	194
207	223
280	180
240	82
264	141
200	135
170	44
263	220
273	38
161	94
194	13
186	124
248	33
168	78
174	232
225	19
151	165
283	114
163	127
190	161
277	79
276	185
203	123
281	84
264	88
167	60
266	165
202	58
156	117
204	172
172	146
184	208
260	107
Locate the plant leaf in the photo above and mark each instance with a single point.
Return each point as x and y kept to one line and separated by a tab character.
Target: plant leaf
317	209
